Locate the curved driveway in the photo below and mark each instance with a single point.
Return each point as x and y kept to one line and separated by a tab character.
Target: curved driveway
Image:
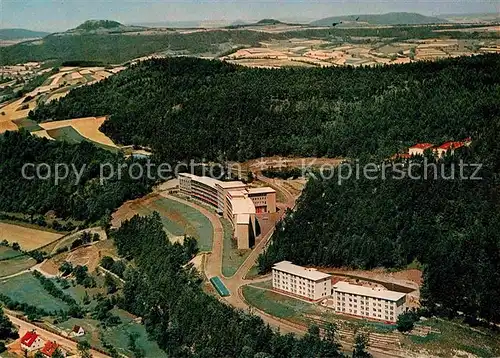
213	263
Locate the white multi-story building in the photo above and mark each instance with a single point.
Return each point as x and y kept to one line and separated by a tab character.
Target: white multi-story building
234	200
373	303
307	283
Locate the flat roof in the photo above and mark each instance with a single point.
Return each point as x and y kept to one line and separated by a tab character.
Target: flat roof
211	182
242	205
388	295
231	184
296	270
263	190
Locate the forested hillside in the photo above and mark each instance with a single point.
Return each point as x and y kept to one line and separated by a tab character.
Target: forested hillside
451	226
184	320
119	48
82	199
211	109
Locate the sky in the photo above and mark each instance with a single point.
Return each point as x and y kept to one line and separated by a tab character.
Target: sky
60	15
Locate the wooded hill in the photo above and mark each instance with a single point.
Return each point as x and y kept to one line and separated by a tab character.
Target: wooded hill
84	200
186	108
451	226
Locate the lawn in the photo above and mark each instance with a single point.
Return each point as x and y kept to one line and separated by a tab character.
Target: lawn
15	265
232	258
253	272
180	219
264	284
278	305
8	253
456	336
26	288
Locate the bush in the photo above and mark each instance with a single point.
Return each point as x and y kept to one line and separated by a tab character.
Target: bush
406	321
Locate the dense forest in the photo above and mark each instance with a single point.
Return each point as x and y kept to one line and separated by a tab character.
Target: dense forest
450	225
184	320
79	197
211	109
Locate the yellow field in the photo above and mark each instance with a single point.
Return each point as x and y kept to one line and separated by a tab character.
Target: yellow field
12	112
29	239
42	134
87	127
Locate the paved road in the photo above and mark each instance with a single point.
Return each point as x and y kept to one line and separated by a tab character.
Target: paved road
235	283
48	336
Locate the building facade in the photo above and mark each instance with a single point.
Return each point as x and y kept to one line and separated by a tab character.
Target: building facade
31	341
297	280
234	200
379	304
264	199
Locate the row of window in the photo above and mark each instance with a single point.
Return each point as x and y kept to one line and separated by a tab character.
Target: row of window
366	313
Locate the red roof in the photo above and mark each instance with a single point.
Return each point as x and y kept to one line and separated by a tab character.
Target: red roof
423	146
451	145
49	348
29	338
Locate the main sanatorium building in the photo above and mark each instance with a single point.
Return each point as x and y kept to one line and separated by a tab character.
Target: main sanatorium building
234	200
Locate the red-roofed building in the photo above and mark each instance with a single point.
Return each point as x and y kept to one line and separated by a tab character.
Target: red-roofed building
420	148
31	341
49	348
448	147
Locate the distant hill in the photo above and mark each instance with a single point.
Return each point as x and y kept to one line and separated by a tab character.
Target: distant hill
17	34
239	23
100	27
269	22
90	25
392	18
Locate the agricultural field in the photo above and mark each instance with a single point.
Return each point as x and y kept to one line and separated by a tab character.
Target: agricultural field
322	53
15	265
77	130
8	253
26	288
13	111
28	238
178	219
27	124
